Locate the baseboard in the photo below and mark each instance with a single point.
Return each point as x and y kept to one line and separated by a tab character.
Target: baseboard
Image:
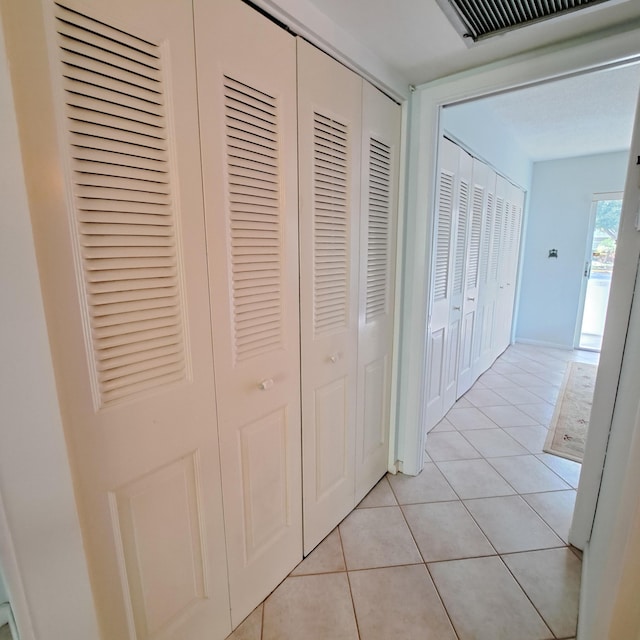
544	343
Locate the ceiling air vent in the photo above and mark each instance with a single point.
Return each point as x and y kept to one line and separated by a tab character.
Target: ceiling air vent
479	19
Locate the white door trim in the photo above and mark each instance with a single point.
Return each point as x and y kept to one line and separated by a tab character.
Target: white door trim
578	56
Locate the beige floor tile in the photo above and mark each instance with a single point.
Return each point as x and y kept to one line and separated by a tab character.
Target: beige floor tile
494	442
555	508
508	416
546	392
469	418
310	607
380	496
484	398
446	531
429	486
532	438
551	579
496	381
399	602
568	470
462	403
526	474
528	379
540	411
498	609
374	538
325	558
518	395
474	479
443	425
512	525
250	628
449	445
505	368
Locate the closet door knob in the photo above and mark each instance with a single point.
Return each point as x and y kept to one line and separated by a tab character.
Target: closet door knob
265	385
471	298
334	358
456	308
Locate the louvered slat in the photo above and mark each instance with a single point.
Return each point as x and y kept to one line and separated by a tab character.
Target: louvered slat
330	224
253	187
486	239
474	241
443	234
123	204
497	232
379	213
461	236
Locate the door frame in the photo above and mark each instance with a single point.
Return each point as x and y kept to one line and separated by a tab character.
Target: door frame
597	197
578	56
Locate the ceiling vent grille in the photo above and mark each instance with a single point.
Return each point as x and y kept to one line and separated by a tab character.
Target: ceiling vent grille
479	19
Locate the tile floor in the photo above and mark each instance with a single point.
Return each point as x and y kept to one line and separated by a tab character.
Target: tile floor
474	548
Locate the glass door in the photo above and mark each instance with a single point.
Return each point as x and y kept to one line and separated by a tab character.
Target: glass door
597	272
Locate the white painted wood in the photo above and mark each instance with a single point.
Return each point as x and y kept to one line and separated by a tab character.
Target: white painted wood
607	392
378	221
247	99
329	138
442	262
459	242
471	321
145	459
36	487
544	64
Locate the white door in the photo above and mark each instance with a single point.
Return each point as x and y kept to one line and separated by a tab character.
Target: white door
329	126
124	278
380	156
470	333
501	264
460	233
488	277
438	325
247	93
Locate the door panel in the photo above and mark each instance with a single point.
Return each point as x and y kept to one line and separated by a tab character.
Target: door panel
379	184
125	286
247	93
329	138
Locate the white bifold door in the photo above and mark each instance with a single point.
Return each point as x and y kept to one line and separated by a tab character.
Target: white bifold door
111	121
474	268
247	98
348	190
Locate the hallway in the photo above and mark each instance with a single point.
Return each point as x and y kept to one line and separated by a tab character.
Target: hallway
474	548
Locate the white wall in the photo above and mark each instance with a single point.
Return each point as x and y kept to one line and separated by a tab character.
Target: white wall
558	218
476	126
41	550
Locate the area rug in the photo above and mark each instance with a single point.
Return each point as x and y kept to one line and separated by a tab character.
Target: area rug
568	430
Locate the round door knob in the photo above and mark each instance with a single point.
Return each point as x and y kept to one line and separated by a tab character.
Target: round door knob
456	308
470	298
266	384
334	358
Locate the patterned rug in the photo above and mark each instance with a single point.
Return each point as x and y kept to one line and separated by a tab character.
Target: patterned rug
568	430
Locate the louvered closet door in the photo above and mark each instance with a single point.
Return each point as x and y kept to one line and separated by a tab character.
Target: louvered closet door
247	88
469	334
460	233
438	326
489	258
329	124
380	154
126	277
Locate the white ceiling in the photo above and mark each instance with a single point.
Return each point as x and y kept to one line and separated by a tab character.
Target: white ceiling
416	39
586	114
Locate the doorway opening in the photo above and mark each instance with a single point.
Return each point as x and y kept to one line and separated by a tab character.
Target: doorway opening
601	251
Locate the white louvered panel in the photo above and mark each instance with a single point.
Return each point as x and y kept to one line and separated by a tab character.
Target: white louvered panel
497	232
253	186
473	259
330	192
461	237
486	239
125	219
378	229
443	237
